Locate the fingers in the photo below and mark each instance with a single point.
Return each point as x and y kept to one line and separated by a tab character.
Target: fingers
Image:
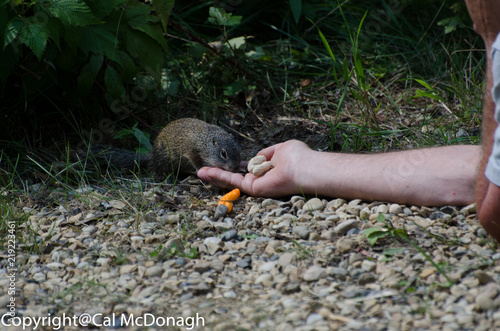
226	179
269	151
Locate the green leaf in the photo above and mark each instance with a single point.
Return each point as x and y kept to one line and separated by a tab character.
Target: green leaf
12	30
72	12
374	234
238	42
113	83
35	37
163	9
96	64
142	138
296	7
147	51
99	40
219	16
324	41
153	31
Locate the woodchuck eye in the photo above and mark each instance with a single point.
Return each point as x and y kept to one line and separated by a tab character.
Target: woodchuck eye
223	153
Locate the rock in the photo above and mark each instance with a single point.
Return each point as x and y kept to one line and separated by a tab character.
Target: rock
286	259
368	265
264	278
244	263
314	273
484	278
336	204
313	205
488	298
470	209
395	209
382	209
154	271
229	235
344	245
301	231
345	226
314	318
201	266
367	278
213	244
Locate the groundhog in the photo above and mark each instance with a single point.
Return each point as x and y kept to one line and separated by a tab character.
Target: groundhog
183	147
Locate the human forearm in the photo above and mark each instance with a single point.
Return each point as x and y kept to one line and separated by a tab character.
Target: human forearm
430	176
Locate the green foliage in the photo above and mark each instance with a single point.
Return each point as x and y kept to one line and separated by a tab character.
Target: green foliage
143	138
459	20
108	43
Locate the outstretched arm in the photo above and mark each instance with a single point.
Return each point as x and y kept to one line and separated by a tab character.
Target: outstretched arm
431	176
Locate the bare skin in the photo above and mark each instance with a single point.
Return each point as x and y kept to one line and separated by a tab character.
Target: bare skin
416	177
485	14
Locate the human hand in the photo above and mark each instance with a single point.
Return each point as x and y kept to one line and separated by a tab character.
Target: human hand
283	179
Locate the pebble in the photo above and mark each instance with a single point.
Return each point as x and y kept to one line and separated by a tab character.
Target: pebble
314	273
313	205
291	264
213	244
344	245
229	235
301	231
345	226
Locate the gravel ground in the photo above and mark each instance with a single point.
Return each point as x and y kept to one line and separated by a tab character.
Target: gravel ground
291	264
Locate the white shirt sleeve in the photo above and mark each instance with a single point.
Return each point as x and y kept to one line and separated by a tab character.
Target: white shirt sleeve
492	171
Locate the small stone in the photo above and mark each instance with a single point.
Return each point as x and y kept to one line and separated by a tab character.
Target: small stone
486	299
201	266
395	209
213	244
336	271
270	202
367	278
368	265
484	278
229	235
314	318
313	205
264	278
230	295
244	263
382	209
482	233
286	259
468	209
154	272
127	269
344	245
301	231
314	273
426	273
437	215
30	288
336	204
267	267
345	226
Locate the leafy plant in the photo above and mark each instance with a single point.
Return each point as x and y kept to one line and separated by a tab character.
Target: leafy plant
107	42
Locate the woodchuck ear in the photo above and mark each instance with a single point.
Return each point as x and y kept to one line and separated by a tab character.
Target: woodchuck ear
214	141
